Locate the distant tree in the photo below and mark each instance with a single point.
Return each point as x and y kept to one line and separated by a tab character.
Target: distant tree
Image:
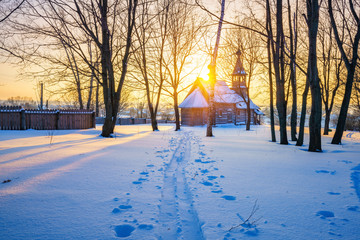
185	30
248	47
331	65
151	36
25	102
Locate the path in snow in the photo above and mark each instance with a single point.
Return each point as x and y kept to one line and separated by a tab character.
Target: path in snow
178	219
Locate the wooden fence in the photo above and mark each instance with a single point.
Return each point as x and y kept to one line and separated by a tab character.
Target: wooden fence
17	118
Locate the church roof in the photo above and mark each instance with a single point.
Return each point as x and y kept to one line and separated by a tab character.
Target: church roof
194	100
197	97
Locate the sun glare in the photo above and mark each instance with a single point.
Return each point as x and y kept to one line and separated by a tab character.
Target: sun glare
204	74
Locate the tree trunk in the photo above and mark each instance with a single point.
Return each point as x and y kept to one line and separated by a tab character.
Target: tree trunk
327	122
108	85
177	114
212	76
211	108
90	92
316	101
97	100
315	120
279	73
300	140
293	119
269	32
248	115
340	126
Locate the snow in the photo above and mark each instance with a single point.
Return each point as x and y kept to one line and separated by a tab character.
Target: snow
222	94
194	100
73	184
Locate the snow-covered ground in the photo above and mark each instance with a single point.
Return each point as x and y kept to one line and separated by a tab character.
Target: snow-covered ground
176	185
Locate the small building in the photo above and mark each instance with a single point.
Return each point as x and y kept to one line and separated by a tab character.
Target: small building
230	106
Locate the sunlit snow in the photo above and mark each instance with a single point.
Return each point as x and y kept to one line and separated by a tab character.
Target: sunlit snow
74	184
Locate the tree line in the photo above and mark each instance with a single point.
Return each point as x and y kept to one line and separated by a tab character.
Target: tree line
310	46
95	49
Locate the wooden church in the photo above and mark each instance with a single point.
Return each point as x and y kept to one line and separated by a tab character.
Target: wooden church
230	106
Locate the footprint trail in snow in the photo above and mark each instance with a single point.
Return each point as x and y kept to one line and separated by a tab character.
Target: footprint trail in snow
178	218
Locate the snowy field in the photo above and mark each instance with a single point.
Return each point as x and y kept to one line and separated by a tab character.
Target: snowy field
176	185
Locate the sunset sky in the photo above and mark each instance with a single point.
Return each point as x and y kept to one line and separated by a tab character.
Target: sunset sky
12	84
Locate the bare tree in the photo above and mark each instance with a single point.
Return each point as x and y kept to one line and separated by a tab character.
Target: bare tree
293	30
269	57
312	20
278	54
212	74
332	68
150	46
17	5
249	51
185	29
300	140
108	24
349	53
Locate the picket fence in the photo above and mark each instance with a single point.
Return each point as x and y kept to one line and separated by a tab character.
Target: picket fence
17	118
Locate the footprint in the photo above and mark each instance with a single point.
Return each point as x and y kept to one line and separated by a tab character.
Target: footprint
206	183
325	171
229	198
144	173
116	210
334	193
325	214
205	162
150	165
216	191
212	177
146	226
251	231
353	208
137	182
125	206
124	230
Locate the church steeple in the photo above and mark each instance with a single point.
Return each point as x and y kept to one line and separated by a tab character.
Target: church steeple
239	68
238	76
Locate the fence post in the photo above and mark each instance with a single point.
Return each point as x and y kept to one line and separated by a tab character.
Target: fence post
57	123
93	120
22	120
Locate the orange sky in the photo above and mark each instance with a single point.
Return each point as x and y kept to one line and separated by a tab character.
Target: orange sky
12	86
